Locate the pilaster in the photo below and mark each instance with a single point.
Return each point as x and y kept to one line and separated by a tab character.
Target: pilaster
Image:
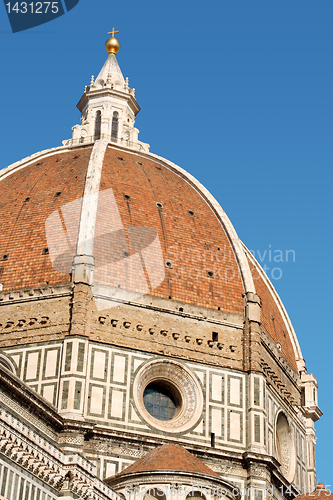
257	417
312	413
259	485
310	437
75	355
252	333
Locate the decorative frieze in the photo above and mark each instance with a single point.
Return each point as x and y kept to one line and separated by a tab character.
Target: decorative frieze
274	380
23	324
164	334
36	293
46	463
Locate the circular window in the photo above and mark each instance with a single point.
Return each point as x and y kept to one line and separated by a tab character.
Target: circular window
160	401
168	396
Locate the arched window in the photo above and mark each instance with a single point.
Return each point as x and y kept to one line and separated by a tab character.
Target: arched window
155	494
98	120
114	128
195	494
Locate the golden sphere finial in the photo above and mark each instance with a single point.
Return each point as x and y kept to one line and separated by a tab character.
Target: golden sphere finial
112	45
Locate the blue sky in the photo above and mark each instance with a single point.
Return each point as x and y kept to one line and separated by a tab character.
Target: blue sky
237	92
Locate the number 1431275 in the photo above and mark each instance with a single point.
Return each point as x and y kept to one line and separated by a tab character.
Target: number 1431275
32	7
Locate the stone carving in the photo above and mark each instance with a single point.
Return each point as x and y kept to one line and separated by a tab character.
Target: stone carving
285	445
226	469
24	323
256	471
104	321
276	354
278	384
71	439
28	417
34	293
186	385
110	449
39	457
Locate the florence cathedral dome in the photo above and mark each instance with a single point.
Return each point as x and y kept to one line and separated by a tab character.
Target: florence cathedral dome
142	345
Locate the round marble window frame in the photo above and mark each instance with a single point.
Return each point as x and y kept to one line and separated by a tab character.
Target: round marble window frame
176	375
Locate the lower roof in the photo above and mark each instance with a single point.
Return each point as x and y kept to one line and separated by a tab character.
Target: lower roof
169	457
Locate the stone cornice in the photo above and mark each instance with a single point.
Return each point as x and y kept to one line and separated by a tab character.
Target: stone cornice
29	399
279	358
35	293
146	443
173	477
312	412
105	92
197	317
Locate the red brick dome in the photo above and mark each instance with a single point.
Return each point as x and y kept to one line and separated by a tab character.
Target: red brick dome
190	233
204	263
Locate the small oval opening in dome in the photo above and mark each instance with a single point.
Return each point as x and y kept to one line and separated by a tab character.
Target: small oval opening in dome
191	213
168	264
5	256
210	274
159	205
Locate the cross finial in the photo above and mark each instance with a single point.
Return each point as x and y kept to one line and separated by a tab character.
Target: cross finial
113	32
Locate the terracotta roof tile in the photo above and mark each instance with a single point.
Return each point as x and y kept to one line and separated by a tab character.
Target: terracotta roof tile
194	244
169	457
